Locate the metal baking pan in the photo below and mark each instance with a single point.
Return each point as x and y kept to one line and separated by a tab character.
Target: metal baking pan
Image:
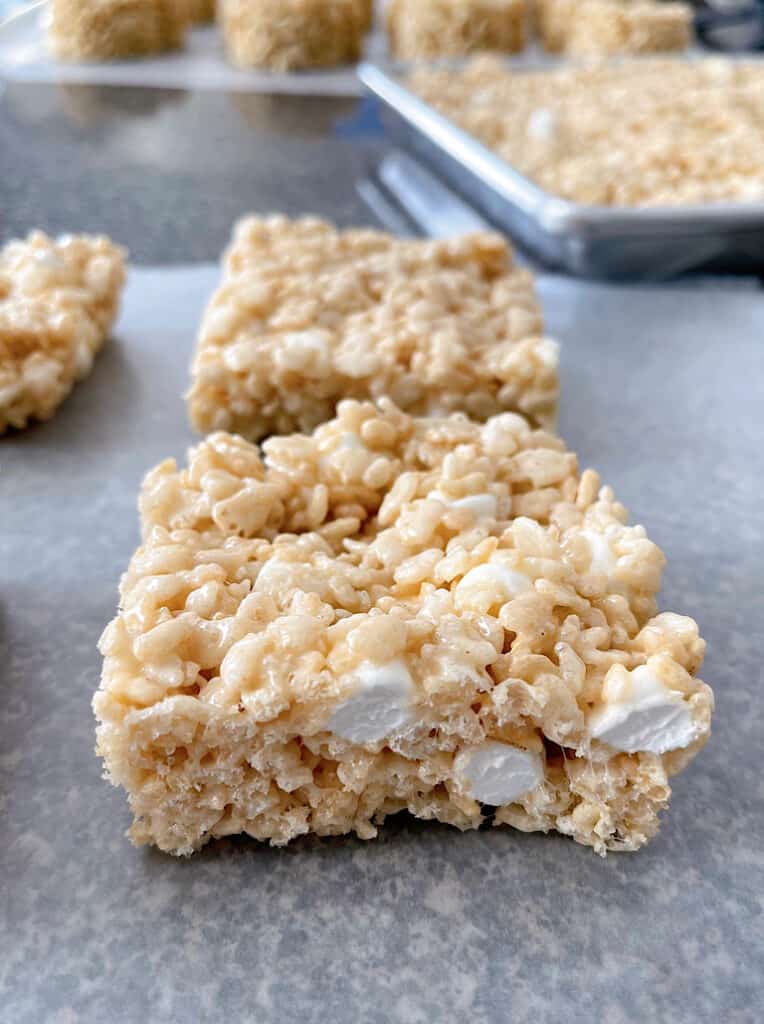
588	241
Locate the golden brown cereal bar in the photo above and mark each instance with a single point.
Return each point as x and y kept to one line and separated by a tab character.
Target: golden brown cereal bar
391	614
607	27
449	28
293	34
306	315
58	300
602	27
96	30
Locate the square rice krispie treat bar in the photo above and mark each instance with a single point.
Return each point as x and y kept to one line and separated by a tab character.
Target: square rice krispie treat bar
307	315
429	615
426	29
602	27
115	29
293	34
58	300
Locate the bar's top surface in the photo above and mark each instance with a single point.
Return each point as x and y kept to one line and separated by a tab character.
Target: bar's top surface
423	923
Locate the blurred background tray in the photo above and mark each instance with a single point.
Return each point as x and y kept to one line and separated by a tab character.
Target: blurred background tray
598	242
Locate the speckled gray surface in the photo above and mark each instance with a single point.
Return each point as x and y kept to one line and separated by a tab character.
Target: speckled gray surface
166	172
663	393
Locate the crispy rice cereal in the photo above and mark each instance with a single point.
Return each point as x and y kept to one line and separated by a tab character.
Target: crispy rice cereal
58	300
307	315
293	34
606	27
658	131
448	28
113	29
394	613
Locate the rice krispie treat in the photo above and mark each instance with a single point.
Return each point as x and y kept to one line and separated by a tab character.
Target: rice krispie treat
307	315
113	29
424	29
552	20
661	131
202	10
293	34
58	300
392	614
607	27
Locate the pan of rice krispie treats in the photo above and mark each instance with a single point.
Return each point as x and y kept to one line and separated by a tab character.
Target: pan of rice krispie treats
306	315
58	300
642	167
394	613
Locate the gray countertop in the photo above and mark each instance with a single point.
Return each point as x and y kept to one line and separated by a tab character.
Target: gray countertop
166	172
663	393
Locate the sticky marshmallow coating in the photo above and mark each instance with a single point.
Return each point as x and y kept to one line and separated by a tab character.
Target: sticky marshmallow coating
306	315
58	300
310	641
647	132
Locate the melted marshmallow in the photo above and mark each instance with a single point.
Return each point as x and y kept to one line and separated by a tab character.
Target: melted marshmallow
641	714
498	773
483	506
542	125
380	707
488	585
603	560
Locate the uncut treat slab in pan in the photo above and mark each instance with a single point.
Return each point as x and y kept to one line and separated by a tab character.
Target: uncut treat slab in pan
589	241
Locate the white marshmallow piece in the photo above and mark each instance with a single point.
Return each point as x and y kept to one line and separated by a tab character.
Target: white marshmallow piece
603	559
641	715
542	125
488	585
498	773
381	706
306	352
482	506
